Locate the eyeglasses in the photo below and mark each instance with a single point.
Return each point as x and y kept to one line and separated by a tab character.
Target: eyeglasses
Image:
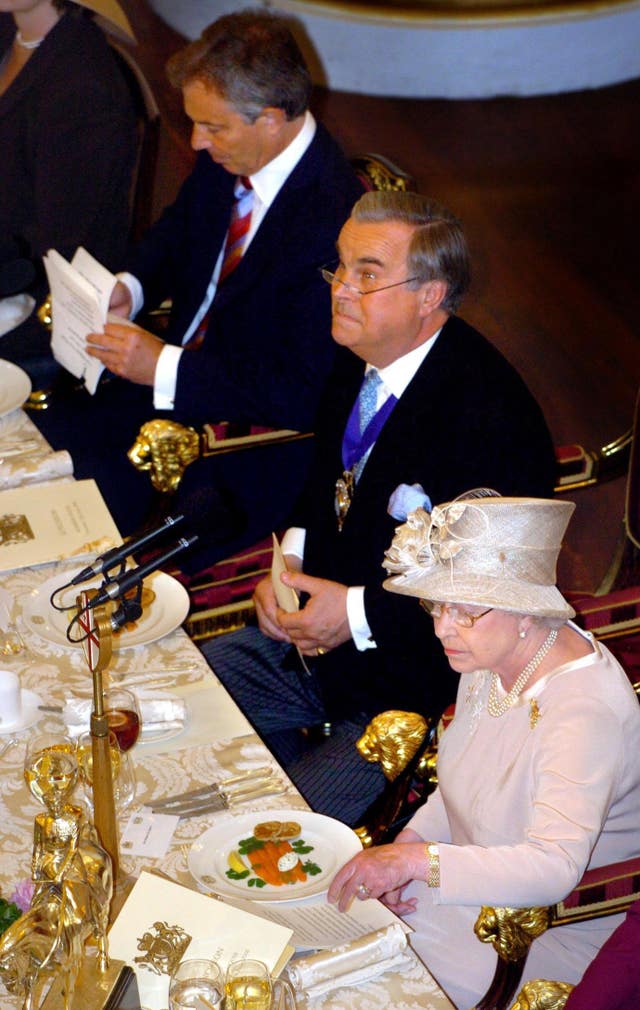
332	278
460	617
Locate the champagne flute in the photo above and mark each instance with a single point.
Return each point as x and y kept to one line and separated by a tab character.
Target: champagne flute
122	771
125	784
196	984
248	985
51	769
123	715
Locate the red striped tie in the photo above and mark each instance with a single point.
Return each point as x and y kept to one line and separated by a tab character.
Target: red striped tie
238	227
233	247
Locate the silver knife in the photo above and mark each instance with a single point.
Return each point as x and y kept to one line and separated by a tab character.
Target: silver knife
214	788
222	801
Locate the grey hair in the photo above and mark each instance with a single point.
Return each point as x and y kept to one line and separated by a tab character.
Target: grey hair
438	248
252	60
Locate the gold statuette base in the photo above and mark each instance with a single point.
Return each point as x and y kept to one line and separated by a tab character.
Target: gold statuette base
114	989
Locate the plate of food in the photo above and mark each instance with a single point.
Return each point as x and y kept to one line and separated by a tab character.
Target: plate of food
165	604
285	855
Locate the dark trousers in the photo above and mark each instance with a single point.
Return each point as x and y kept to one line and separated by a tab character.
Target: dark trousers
267	681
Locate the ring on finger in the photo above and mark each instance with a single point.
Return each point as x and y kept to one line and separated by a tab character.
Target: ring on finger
363	892
320	651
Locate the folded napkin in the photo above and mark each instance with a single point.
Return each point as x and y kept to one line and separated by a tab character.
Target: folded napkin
350	964
14	309
31	468
160	713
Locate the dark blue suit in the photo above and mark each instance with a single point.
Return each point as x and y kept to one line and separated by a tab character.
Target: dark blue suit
267	350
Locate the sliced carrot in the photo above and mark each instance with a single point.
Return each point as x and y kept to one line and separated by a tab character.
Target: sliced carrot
264	862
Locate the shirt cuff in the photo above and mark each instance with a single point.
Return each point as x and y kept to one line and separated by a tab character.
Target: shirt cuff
358	624
135	290
166	375
293	542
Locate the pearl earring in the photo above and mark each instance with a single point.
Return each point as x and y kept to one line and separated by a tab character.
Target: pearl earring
522	633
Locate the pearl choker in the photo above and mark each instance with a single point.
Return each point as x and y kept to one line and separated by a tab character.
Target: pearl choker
27	45
496	706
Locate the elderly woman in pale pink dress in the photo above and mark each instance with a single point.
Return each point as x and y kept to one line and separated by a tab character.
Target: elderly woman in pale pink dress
538	772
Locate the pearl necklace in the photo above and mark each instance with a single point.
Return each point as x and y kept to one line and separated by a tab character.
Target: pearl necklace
27	45
496	706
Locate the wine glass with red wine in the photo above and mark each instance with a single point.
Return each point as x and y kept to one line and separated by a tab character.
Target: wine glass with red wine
123	714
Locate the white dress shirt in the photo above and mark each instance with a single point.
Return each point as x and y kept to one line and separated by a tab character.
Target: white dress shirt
266	183
395	379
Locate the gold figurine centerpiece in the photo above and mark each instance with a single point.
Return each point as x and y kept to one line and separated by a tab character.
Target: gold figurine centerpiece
73	880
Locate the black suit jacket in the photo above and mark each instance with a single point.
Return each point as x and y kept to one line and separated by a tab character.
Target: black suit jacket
466	420
67	136
268	347
68	143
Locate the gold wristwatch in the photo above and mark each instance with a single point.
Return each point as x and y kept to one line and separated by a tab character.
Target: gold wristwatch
433	877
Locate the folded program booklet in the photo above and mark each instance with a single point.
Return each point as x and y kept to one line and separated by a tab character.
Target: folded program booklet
80	295
65	519
162	916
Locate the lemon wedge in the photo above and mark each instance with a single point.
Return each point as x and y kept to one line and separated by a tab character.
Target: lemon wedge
236	863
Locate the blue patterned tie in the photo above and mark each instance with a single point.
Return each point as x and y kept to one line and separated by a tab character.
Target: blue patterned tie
367	410
368	398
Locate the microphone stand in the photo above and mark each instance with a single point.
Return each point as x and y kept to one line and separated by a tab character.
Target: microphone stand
97	648
115	985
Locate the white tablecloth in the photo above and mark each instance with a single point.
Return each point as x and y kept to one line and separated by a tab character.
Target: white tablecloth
211	747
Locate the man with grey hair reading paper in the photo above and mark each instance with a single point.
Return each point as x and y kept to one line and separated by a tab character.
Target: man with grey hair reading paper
238	253
417	397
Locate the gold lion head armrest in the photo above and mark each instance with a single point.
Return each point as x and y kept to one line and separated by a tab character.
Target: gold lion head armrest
401	743
165	449
392	739
511	931
542	995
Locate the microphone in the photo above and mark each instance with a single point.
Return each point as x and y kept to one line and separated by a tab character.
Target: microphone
117	555
211	517
118	587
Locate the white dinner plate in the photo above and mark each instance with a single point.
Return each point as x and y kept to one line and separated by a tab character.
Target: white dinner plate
331	844
166	613
15	387
29	715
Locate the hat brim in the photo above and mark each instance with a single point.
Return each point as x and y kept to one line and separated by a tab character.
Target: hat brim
483	591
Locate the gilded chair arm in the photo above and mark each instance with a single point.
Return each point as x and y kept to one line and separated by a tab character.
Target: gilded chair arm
577	467
542	995
511	931
401	743
165	449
